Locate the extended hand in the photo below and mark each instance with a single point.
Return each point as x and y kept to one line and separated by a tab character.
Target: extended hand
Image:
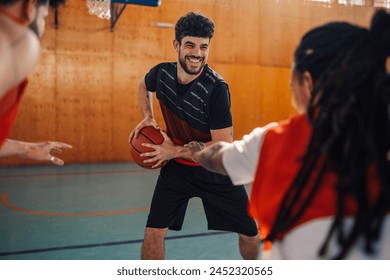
44	151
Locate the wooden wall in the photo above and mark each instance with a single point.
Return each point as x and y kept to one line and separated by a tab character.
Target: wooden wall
83	91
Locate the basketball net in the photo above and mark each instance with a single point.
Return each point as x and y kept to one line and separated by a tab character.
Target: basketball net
99	8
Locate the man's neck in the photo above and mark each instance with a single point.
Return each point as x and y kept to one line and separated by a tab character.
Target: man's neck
183	77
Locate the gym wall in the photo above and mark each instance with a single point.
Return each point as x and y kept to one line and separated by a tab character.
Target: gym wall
83	91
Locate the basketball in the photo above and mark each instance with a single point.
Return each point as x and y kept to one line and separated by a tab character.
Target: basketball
147	134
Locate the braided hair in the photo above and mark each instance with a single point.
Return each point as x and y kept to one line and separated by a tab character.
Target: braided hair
349	112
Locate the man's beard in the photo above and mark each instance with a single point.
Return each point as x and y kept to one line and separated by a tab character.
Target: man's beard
187	69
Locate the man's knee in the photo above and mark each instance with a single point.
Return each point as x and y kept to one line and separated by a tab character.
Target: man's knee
155	233
249	246
249	239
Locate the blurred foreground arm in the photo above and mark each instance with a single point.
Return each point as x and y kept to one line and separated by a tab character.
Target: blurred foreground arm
238	159
209	157
36	151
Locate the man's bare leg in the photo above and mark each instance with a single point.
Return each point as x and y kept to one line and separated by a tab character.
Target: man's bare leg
153	245
249	247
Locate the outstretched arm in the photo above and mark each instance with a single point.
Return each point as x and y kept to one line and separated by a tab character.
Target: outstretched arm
238	160
168	150
209	157
37	151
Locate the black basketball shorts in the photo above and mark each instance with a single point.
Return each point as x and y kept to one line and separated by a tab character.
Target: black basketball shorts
225	205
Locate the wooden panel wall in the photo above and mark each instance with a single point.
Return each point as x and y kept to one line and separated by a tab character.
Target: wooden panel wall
83	92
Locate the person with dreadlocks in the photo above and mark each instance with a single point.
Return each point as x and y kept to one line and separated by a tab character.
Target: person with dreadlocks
321	179
22	23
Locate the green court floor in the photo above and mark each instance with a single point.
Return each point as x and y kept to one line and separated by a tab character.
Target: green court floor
94	212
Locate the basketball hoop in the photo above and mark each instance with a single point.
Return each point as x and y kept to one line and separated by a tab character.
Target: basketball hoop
112	9
99	8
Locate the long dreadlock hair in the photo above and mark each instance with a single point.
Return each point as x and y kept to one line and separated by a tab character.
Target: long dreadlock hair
349	112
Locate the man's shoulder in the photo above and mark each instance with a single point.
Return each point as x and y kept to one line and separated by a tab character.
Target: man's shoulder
169	68
166	65
213	75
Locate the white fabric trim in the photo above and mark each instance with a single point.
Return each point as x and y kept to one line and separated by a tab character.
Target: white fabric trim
304	241
240	158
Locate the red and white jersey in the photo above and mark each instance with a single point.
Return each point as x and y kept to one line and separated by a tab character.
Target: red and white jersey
270	158
9	105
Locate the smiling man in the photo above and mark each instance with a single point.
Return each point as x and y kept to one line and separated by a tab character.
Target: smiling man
195	102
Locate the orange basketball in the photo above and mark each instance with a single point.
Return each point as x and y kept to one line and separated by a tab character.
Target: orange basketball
147	134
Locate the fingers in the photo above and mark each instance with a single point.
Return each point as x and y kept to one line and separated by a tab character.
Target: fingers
130	137
145	122
201	145
153	156
63	146
165	135
58	147
56	151
134	134
56	161
158	164
151	153
152	159
152	146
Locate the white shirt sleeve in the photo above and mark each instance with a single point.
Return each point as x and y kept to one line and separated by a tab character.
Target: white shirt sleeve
241	156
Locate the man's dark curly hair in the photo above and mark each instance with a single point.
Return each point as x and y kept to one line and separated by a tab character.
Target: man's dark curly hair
194	24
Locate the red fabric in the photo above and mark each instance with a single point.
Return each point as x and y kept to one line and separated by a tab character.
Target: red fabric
9	105
186	162
279	162
13	17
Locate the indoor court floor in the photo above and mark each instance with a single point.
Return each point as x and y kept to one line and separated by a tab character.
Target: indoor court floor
94	212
